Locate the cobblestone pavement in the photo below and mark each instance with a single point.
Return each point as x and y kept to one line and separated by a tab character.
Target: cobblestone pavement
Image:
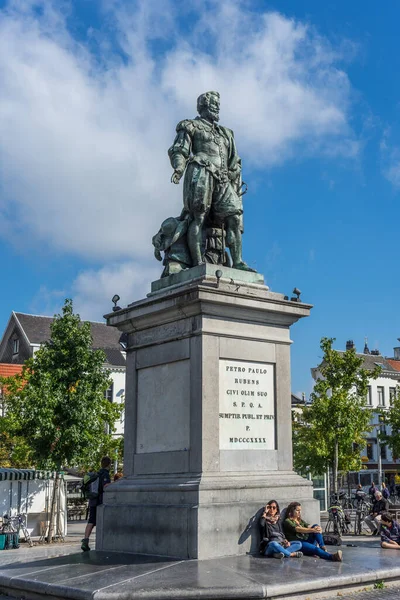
388	593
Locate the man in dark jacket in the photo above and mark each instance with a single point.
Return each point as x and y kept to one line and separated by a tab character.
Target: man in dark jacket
373	520
104	481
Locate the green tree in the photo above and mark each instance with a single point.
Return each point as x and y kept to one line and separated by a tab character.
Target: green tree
15	450
391	418
329	431
58	401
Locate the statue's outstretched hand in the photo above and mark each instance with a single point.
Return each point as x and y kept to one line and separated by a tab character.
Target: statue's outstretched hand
176	176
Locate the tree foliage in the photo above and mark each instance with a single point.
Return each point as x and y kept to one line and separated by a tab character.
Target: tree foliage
391	417
57	404
330	431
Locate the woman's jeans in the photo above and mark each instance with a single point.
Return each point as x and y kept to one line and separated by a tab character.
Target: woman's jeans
274	547
309	547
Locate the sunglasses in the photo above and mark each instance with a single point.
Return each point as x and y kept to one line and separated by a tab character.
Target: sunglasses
273	506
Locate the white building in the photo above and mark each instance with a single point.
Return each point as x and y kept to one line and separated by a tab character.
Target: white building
380	392
25	333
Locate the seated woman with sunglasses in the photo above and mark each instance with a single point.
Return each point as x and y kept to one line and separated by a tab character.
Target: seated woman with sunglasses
273	542
312	542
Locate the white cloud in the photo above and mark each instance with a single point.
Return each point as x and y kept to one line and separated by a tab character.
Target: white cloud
390	157
93	289
85	124
47	302
392	172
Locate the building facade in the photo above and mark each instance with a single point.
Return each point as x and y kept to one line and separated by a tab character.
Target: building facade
377	456
25	333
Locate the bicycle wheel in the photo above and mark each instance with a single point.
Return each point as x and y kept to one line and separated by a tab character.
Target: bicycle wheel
329	526
336	527
357	523
346	527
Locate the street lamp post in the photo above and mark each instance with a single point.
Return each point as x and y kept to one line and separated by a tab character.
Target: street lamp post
379	427
116	460
378	447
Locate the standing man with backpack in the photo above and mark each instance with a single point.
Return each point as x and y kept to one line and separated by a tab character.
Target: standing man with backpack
93	489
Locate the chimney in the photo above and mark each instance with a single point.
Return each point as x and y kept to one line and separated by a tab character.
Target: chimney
396	352
350	345
366	349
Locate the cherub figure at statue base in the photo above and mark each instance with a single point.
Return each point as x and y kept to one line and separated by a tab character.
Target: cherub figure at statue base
172	240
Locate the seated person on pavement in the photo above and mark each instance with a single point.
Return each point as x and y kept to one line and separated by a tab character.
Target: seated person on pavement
390	532
273	542
312	542
373	520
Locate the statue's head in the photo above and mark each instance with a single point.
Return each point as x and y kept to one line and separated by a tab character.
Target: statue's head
208	106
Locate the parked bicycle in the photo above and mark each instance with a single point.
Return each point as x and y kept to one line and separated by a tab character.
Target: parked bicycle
13	525
338	521
362	510
342	499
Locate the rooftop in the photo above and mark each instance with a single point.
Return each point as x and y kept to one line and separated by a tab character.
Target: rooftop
37	330
394	363
7	370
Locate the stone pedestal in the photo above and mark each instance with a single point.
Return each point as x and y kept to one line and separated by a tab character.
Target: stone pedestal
207	418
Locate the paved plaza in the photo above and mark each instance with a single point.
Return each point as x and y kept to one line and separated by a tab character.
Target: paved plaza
62	571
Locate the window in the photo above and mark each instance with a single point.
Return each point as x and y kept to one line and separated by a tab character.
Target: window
16	346
370	451
369	396
392	395
108	394
383	452
381	395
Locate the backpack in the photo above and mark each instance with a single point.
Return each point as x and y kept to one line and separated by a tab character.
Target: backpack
90	487
332	539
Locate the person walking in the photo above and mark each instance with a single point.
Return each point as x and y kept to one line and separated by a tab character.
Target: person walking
359	495
385	491
273	542
312	542
104	481
372	491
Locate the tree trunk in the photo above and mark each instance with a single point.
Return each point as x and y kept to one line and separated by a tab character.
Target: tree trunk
53	506
335	468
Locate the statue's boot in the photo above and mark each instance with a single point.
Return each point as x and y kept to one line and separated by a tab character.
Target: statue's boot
242	266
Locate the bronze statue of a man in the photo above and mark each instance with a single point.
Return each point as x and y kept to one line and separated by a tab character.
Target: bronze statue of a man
206	153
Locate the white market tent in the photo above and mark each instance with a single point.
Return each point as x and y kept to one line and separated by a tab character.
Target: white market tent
29	492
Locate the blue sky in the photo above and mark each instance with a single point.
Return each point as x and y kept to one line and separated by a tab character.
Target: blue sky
90	93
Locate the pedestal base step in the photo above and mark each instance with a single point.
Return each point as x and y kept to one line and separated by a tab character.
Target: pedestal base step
107	576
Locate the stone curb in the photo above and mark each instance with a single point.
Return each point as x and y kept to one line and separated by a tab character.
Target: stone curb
122	577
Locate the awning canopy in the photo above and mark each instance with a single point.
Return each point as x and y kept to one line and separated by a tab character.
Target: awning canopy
25	474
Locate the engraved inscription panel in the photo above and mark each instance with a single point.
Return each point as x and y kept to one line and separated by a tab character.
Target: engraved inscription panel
246	405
